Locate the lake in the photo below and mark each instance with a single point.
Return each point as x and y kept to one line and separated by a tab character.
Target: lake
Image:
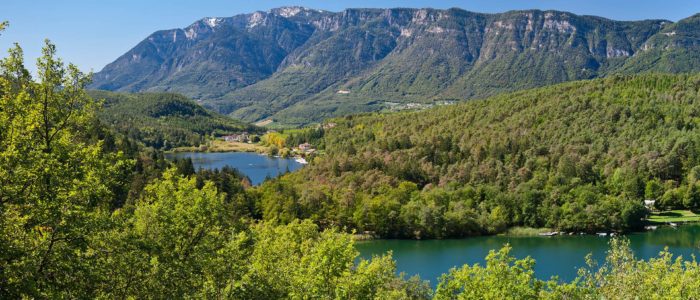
558	255
256	166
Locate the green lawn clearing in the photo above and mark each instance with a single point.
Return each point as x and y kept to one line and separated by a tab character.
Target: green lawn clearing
674	216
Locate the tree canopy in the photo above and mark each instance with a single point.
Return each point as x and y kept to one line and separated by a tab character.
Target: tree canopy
578	156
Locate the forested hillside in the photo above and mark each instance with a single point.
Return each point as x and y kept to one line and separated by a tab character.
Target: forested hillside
163	120
578	156
86	213
298	65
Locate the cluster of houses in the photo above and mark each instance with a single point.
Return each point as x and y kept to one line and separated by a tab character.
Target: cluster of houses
301	151
237	137
305	148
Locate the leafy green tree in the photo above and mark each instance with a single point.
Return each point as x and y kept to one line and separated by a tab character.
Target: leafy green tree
622	276
653	189
297	261
673	198
56	185
503	277
691	199
694	175
170	243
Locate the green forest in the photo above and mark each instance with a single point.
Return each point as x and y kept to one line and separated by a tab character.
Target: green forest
576	157
163	120
86	212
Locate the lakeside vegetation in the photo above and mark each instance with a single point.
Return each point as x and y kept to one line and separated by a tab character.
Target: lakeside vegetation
575	157
526	231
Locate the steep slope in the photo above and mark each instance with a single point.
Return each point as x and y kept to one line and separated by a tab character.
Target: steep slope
675	49
163	120
465	55
579	156
208	58
438	55
299	65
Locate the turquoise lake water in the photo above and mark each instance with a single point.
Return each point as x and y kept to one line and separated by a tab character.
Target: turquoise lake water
558	255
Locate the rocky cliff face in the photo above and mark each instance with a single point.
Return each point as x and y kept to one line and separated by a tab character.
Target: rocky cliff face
210	57
290	63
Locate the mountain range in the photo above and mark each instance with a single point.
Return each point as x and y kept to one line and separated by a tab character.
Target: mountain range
297	65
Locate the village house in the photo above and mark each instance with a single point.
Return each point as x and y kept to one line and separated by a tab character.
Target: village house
241	138
649	204
305	147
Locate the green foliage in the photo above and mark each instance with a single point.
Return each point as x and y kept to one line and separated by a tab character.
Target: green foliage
67	230
503	277
621	276
163	120
62	236
177	243
579	156
56	185
298	261
167	244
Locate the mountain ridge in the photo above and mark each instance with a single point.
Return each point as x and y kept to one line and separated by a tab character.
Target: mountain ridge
300	65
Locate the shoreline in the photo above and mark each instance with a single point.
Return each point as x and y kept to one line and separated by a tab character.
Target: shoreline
218	146
521	232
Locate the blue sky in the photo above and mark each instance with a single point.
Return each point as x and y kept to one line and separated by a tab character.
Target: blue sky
92	33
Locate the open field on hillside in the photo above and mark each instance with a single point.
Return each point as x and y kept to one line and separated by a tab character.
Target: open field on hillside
674	216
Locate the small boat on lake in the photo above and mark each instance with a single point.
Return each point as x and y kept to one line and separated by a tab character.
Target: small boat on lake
553	233
301	160
602	234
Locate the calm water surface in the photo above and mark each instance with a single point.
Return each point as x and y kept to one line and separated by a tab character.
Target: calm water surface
559	255
256	166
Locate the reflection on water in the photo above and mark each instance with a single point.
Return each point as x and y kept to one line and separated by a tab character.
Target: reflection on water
682	237
558	256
